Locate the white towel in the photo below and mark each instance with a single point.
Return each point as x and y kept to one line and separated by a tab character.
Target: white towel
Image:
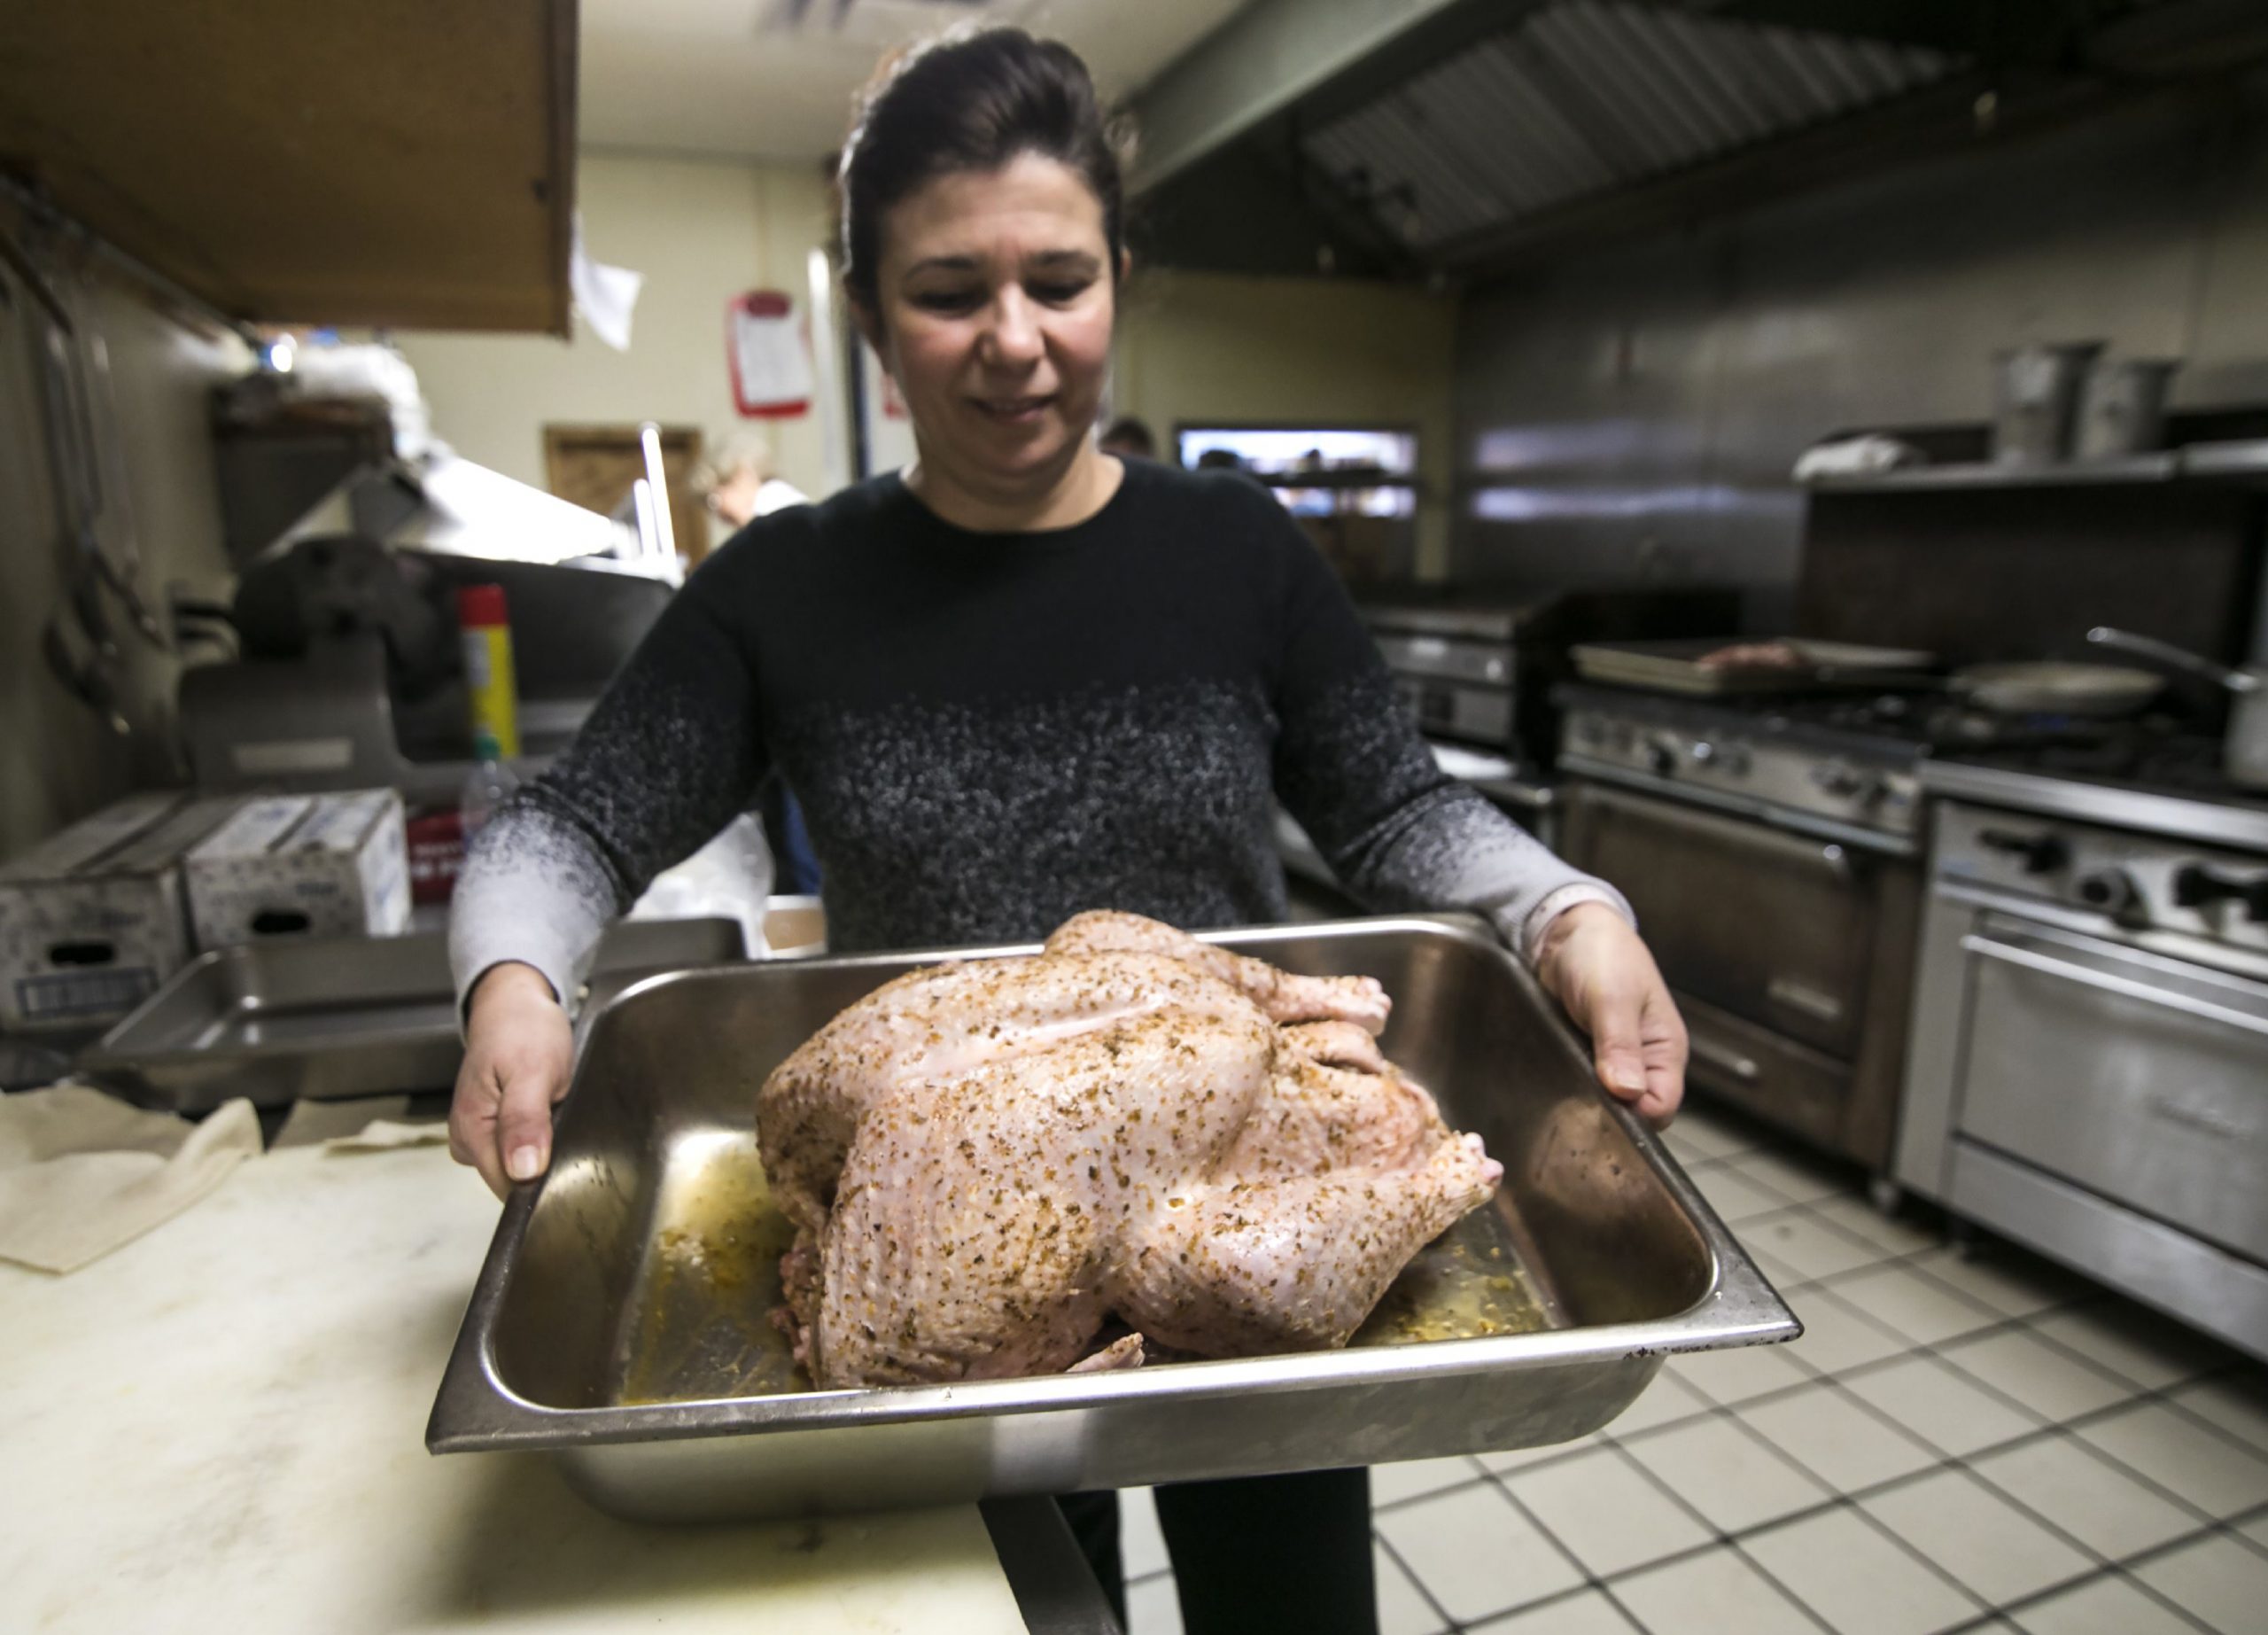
1856	456
381	1134
83	1173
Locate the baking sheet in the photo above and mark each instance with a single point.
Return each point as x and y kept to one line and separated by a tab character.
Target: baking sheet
1673	666
329	1019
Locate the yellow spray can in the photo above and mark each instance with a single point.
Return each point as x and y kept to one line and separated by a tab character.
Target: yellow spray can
488	681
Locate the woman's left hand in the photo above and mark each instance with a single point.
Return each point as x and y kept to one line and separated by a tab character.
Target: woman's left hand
1596	966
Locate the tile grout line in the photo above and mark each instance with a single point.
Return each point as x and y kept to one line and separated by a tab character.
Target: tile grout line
2101	1566
1719	1540
1840	1498
1912	1260
1449	1625
2207	1524
2026	1324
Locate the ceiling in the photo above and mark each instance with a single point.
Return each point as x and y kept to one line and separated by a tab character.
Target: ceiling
773	79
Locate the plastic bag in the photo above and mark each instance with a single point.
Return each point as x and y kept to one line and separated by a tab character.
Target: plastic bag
730	877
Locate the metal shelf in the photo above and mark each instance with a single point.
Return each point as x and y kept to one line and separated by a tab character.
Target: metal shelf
2233	462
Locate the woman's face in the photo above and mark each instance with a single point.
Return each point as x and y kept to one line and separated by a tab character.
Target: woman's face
996	307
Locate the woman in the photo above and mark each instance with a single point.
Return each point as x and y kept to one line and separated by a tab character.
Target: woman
1020	678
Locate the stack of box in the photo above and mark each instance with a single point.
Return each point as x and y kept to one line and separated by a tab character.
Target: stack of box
94	919
288	865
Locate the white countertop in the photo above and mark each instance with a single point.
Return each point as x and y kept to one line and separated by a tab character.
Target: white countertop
221	1428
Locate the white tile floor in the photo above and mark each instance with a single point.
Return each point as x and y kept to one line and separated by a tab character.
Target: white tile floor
1961	1440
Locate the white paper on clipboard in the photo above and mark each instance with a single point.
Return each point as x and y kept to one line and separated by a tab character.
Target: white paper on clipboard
770	352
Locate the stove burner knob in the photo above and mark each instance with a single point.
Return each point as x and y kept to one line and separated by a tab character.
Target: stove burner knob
2042	854
1728	758
1846	782
1661	760
2111	890
2196	886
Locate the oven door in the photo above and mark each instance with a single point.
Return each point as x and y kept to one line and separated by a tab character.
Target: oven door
1774	929
2141	1078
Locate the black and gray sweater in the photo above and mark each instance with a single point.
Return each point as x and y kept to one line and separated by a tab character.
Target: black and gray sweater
991	732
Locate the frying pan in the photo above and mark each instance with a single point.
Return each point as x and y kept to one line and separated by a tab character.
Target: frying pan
2055	688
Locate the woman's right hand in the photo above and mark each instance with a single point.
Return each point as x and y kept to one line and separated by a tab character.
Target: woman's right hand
517	1049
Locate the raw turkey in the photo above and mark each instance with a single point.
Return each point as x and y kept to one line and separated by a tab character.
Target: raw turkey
988	1161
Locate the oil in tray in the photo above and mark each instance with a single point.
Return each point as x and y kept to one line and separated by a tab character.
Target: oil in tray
700	1324
1465	1285
700	1313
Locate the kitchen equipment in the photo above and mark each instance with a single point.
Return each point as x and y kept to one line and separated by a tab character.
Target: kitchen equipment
1767	845
1480	670
2122	408
329	1018
1675	666
2090	1034
2245	747
621	1319
353	676
2052	687
2035	398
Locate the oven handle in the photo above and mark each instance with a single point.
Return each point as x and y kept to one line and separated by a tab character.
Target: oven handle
2201	1009
1722	1056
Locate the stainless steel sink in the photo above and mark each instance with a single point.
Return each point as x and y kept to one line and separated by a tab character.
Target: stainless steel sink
621	1321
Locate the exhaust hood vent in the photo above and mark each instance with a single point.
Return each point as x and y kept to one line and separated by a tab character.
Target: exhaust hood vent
1461	139
1583	97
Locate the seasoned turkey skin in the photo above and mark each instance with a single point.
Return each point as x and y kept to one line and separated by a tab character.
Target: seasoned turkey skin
987	1161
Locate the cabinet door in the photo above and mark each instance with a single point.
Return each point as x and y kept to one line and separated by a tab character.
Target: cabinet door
595	465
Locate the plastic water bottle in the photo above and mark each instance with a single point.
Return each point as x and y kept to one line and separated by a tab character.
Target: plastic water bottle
487	787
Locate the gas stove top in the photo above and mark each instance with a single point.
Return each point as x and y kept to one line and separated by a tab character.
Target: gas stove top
1851	760
2153	757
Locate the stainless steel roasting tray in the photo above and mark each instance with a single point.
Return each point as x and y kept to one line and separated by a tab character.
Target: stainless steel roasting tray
334	1017
621	1319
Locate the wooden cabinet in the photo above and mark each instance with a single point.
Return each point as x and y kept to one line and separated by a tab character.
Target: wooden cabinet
393	162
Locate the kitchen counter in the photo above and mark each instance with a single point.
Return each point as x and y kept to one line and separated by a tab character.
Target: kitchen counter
220	1427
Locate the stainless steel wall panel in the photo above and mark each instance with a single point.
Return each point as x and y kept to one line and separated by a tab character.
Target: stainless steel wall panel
1633	414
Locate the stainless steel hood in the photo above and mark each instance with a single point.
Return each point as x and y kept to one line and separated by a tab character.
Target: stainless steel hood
1459	138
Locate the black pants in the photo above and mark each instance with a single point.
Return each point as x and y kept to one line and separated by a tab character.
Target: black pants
1255	1553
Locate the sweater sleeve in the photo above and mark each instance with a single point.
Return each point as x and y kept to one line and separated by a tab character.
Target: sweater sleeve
1350	765
670	755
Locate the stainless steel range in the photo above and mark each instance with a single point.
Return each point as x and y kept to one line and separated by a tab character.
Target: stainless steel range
1769	848
2089	1065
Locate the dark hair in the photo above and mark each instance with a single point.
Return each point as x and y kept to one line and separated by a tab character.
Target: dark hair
969	100
1131	433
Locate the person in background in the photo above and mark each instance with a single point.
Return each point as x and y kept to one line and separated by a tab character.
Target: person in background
737	486
737	483
1018	679
1130	436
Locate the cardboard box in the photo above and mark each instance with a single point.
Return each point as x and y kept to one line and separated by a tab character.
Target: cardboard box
302	865
93	919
